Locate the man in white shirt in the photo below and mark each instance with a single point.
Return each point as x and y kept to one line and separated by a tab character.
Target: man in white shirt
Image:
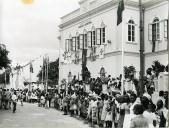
14	101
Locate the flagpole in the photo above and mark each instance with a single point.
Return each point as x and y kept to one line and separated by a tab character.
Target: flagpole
47	73
30	77
122	50
42	70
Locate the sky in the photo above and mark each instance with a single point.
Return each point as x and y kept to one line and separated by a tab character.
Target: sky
31	30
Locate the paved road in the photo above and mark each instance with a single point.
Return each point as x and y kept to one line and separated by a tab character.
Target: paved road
31	116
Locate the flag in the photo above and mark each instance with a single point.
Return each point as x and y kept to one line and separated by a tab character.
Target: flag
120	11
31	67
101	52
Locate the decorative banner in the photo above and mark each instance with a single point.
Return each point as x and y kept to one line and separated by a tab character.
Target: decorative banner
69	58
93	54
76	61
101	51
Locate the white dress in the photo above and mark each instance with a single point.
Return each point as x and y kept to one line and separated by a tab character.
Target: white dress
104	111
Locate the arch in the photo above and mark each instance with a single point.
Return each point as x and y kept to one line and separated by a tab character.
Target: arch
156	19
93	28
156	29
84	31
77	33
102	25
70	36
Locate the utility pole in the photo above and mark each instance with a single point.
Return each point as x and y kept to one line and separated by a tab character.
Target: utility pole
168	49
5	78
142	61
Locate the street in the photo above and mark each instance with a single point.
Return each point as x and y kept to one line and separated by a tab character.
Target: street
31	116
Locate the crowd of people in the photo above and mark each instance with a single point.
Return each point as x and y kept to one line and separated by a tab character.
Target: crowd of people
9	99
110	109
98	102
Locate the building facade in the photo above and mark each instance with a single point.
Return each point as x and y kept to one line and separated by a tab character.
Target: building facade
94	27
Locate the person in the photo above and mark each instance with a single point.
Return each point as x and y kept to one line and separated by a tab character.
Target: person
133	98
42	100
0	98
21	98
14	101
104	111
125	110
161	96
7	98
109	115
139	121
29	96
150	115
50	98
160	113
47	100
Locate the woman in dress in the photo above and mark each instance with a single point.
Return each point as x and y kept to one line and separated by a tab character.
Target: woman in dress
104	111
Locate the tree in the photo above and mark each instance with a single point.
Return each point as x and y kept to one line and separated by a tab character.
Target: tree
53	73
4	60
4	76
129	72
157	67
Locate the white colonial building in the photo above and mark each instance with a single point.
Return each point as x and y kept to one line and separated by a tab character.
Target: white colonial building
95	25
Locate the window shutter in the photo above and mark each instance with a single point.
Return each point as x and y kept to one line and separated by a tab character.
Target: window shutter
89	39
67	45
98	36
160	31
77	43
103	36
70	45
81	41
150	32
166	29
93	38
85	41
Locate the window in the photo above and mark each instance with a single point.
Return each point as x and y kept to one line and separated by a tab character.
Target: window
74	44
103	26
93	36
89	38
98	36
131	31
103	35
166	29
77	42
81	41
156	29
